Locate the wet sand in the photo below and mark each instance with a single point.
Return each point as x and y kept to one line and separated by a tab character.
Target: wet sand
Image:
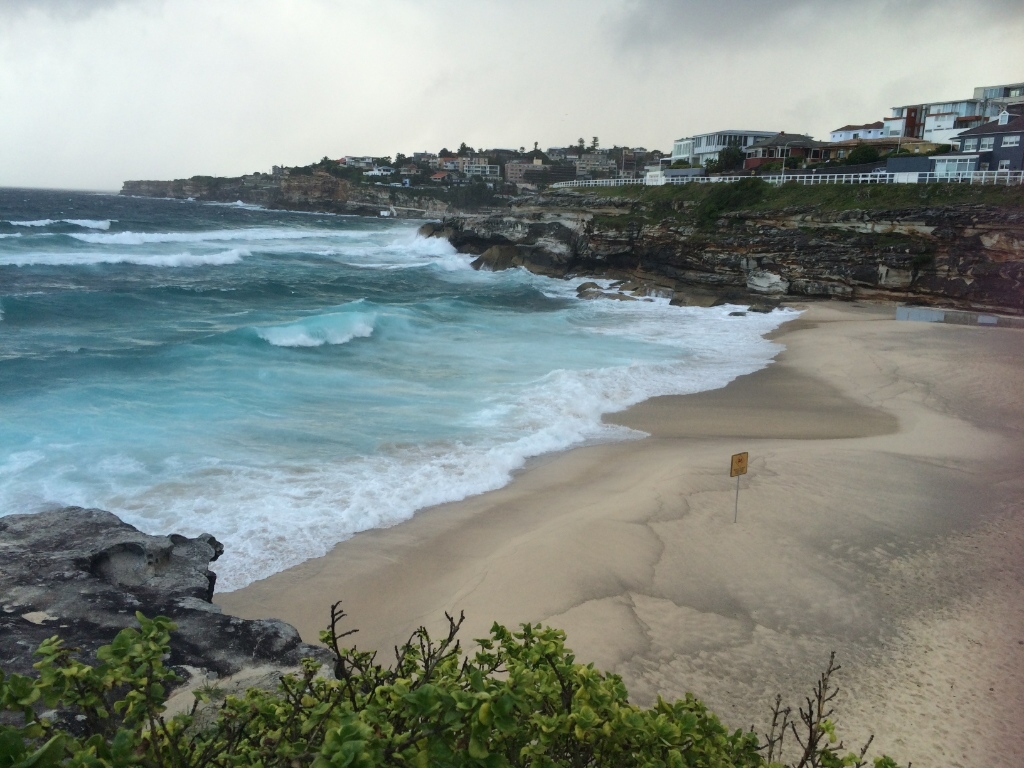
881	518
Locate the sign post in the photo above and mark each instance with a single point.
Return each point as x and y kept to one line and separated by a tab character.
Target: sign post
739	467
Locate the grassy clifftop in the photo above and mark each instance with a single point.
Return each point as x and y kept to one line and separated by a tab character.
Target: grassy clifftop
826	197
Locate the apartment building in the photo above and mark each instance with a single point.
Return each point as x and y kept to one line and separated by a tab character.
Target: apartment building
703	147
942	121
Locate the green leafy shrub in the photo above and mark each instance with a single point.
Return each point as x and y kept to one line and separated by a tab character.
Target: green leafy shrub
520	700
862	153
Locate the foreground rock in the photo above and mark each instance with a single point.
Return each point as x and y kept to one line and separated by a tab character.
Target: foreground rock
83	573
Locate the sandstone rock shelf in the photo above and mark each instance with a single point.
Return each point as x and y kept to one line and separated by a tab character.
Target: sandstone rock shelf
968	256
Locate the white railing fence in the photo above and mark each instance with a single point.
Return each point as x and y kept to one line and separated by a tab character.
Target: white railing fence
1007	178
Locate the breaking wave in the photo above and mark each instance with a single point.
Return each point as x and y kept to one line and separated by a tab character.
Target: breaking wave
86	223
217	235
335	328
71	259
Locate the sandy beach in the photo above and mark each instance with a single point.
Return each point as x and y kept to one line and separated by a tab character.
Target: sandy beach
881	518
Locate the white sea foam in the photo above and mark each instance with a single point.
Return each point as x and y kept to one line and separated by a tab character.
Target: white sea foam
218	235
334	328
70	258
89	223
86	223
15	234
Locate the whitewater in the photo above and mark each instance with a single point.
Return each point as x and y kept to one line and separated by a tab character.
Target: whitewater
284	381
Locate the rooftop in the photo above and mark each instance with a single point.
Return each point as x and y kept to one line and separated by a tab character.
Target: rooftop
876	124
792	139
1015	124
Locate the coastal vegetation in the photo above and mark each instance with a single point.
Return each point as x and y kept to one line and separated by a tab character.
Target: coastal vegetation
759	195
521	699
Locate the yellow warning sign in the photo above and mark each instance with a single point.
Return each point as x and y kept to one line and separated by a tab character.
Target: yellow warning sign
739	465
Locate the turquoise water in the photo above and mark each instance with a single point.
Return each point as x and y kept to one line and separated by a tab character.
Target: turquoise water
283	381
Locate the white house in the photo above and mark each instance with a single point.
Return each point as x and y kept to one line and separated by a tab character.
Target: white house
358	162
874	130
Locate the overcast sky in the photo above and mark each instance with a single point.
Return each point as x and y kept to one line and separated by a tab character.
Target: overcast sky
93	92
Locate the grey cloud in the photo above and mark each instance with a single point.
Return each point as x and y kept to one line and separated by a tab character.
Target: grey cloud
640	24
67	10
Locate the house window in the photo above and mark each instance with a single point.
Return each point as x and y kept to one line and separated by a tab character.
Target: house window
1004	165
987	143
1011	141
953	166
970	145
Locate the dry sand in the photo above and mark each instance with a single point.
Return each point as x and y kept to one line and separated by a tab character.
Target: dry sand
881	518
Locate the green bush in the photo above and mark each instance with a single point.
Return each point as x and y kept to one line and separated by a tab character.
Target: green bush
862	153
520	700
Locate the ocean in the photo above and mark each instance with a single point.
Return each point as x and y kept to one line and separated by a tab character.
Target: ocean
286	380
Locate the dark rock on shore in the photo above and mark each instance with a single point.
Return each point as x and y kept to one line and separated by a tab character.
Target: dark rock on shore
83	573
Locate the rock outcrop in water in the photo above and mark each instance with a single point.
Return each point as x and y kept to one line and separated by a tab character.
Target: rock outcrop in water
318	192
83	573
967	256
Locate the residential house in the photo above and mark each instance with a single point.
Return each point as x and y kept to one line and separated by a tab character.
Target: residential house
425	158
479	165
704	147
380	170
783	145
874	130
995	146
840	150
409	170
358	162
942	122
514	169
441	176
595	162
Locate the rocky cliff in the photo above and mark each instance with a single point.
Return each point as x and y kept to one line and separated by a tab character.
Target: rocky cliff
83	573
319	192
961	255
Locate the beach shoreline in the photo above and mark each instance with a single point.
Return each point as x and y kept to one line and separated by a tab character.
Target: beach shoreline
882	462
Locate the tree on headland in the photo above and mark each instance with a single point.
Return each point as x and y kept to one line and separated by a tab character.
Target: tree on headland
521	699
729	159
594	144
464	150
581	145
